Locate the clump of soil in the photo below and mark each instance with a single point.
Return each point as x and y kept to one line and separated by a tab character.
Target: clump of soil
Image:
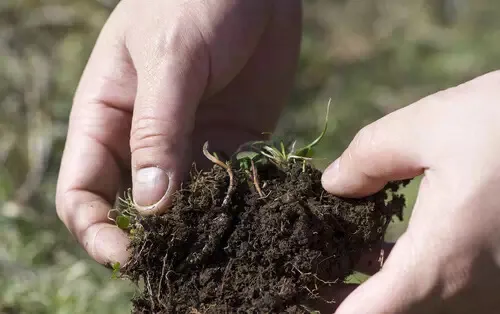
271	254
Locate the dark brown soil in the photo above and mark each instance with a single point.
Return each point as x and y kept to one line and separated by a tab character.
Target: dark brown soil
257	255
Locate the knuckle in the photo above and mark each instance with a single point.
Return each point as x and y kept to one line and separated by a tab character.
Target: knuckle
79	211
173	29
158	142
148	132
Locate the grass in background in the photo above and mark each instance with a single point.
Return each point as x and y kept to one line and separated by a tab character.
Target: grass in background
370	57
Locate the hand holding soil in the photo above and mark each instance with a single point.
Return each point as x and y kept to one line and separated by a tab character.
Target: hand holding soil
165	77
448	259
266	237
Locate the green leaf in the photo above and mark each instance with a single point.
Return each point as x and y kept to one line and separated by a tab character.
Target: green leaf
283	151
306	150
273	151
245	164
356	278
299	157
246	154
292	147
116	270
123	222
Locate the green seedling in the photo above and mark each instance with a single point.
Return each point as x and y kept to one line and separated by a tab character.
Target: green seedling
356	278
126	213
245	159
280	153
248	162
123	222
307	151
116	270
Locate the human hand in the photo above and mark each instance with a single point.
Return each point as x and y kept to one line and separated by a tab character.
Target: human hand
163	78
448	260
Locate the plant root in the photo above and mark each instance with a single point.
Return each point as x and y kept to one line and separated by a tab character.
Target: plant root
256	182
217	161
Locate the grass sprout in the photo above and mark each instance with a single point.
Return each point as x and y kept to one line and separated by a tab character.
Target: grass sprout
280	153
125	214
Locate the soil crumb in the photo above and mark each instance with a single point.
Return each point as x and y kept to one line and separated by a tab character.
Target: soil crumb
270	254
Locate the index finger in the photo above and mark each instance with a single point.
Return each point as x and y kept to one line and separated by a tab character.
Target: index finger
385	150
97	147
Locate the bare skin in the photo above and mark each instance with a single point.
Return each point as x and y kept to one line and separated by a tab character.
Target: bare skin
167	76
448	261
162	79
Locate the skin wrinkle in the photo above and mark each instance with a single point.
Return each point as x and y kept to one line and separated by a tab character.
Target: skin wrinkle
93	250
121	101
112	84
73	218
120	157
141	132
88	183
205	48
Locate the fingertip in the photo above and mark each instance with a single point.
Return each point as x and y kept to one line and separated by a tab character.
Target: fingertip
386	150
107	244
339	179
375	296
399	287
330	173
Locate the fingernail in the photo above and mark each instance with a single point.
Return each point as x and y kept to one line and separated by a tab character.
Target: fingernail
150	185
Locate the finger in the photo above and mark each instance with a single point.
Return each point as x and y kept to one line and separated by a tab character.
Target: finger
329	297
96	148
408	276
168	92
376	296
388	149
261	88
173	77
393	290
89	222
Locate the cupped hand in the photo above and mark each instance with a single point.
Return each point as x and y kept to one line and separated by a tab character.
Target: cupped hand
448	260
163	78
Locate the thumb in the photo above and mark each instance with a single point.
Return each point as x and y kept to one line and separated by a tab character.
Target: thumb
171	81
386	150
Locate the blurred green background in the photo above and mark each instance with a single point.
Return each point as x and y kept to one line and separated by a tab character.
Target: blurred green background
370	57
